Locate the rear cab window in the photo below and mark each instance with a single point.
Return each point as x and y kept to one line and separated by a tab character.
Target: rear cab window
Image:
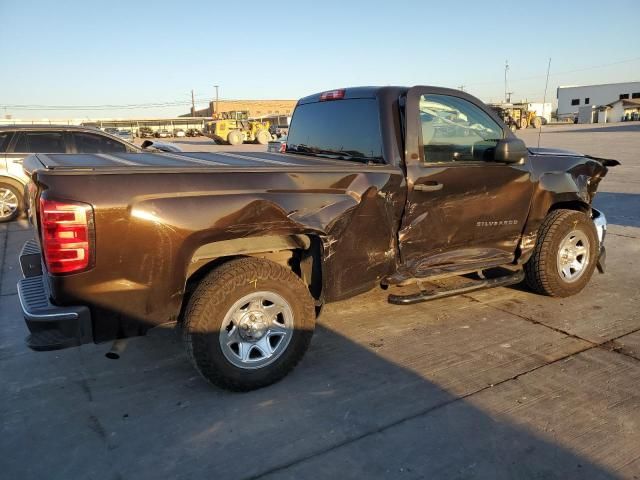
344	129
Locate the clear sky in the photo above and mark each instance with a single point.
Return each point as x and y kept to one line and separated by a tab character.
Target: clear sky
88	53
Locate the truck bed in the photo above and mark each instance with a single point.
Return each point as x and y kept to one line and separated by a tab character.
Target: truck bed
170	162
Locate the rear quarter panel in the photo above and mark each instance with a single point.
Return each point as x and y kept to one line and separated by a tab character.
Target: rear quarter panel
149	225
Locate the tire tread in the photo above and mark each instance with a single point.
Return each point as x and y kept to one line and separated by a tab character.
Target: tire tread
213	290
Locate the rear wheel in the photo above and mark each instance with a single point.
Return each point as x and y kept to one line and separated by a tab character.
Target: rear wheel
523	123
248	324
235	138
565	254
263	137
10	202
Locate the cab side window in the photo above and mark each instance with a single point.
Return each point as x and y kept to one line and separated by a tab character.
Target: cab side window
91	143
40	142
455	130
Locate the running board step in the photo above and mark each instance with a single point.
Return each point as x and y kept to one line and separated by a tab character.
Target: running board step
425	296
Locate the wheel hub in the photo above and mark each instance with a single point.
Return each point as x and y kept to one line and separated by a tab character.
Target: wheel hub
568	256
573	256
253	326
256	330
8	202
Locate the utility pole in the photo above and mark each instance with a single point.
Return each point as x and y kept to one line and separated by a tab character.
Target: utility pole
506	94
461	88
193	104
217	105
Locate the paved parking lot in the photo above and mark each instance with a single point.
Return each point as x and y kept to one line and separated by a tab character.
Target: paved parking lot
498	384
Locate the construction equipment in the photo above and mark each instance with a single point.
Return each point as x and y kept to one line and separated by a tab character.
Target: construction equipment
517	115
235	128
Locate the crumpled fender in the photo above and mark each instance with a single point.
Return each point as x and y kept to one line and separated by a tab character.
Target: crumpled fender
563	179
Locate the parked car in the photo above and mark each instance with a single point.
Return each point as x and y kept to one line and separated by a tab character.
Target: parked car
244	250
162	133
19	141
145	132
193	132
126	135
179	133
278	146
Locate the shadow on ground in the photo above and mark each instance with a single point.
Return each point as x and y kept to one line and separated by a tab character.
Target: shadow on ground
148	416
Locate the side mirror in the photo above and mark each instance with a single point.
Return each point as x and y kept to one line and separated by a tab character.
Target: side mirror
160	146
510	150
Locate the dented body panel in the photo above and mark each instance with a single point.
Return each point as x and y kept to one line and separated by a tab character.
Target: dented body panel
160	218
150	226
561	179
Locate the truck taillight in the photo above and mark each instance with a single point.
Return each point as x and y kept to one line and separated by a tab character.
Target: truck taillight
332	95
67	235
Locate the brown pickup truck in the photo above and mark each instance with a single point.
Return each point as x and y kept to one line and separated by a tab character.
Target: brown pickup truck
379	186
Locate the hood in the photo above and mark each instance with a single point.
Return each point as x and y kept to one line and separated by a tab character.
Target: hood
558	152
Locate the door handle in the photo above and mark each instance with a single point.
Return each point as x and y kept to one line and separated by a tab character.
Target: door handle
428	187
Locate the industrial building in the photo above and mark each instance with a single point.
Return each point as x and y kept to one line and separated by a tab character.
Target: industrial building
256	108
623	110
572	98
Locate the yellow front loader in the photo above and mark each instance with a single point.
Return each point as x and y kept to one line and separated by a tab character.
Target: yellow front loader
235	128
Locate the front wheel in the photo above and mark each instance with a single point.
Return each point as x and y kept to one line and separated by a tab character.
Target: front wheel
248	324
565	254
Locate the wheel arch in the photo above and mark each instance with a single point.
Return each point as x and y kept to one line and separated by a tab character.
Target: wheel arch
300	252
577	205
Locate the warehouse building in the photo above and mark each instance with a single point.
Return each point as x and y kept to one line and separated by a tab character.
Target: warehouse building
256	108
572	98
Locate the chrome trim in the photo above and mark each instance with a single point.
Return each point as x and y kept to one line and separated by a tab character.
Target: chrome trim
600	222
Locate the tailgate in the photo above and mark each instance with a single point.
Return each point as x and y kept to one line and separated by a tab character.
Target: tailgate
32	191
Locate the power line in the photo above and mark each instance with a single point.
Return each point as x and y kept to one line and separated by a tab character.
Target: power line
582	69
204	101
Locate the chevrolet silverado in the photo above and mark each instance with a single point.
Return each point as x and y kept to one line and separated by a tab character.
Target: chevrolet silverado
403	188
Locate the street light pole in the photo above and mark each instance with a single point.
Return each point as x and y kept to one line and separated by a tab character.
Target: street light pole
506	69
217	106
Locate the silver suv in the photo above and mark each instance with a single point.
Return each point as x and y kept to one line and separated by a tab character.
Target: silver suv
19	141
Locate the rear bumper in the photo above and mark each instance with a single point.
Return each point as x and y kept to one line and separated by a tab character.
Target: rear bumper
52	327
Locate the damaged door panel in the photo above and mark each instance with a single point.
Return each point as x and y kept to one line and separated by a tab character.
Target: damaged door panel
464	209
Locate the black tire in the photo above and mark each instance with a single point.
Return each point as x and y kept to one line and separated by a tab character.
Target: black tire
523	123
5	214
537	122
215	296
541	271
263	137
235	138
